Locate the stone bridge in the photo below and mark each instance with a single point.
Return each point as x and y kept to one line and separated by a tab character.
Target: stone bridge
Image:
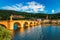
9	24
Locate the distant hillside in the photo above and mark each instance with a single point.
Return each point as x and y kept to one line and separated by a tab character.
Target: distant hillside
5	14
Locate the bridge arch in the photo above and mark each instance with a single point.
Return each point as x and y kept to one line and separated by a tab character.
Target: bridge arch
31	24
34	23
38	22
16	26
25	24
3	25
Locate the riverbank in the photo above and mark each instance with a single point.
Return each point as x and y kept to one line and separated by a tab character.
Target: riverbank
46	21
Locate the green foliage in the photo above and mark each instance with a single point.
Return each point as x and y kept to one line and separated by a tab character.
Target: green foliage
5	14
4	34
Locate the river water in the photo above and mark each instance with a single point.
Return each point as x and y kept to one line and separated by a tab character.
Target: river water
41	32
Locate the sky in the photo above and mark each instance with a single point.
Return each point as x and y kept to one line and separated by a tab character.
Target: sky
35	6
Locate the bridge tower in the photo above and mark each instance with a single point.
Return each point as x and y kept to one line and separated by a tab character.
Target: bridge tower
47	17
11	22
11	17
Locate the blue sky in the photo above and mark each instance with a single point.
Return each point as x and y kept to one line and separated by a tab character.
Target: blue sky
46	6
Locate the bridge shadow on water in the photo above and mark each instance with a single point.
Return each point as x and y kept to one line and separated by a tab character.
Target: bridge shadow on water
19	31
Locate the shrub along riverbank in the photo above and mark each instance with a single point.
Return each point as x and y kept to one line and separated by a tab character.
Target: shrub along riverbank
4	34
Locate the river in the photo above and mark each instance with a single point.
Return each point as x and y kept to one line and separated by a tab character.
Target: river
41	32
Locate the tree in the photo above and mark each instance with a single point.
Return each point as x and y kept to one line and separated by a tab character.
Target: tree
4	34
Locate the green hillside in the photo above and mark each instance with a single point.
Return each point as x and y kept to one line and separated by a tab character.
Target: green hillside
5	14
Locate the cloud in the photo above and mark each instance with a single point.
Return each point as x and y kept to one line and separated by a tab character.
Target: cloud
53	11
29	7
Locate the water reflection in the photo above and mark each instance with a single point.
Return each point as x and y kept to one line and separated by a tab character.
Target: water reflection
50	32
41	32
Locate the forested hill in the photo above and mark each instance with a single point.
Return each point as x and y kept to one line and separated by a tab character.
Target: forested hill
5	14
